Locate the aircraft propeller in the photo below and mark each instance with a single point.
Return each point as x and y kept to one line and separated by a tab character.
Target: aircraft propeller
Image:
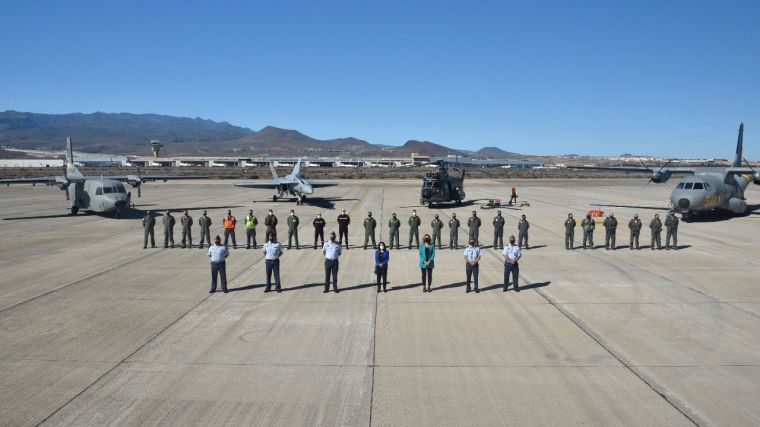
657	176
755	174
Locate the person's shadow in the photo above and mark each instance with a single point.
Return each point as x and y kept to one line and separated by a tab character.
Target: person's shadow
246	288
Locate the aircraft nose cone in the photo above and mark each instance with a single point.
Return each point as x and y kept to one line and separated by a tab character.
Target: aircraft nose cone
684	203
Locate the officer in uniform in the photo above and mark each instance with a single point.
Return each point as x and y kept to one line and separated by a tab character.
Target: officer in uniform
610	229
331	250
414	229
437	225
522	232
271	224
635	226
272	253
569	232
671	225
250	230
149	223
168	221
393	226
343	221
656	227
229	223
293	222
187	231
472	264
454	232
588	225
369	230
205	223
498	230
319	230
474	225
512	256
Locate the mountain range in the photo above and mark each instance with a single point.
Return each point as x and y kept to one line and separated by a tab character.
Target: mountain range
126	133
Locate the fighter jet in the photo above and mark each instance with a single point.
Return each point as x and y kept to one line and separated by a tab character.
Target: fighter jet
295	184
100	194
706	189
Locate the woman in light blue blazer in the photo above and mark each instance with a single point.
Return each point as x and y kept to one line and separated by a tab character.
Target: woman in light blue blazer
427	262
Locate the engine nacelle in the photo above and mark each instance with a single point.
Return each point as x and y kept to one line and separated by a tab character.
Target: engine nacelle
660	176
737	205
756	178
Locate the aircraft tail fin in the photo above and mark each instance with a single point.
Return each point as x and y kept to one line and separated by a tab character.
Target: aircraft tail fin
739	147
297	167
71	170
274	171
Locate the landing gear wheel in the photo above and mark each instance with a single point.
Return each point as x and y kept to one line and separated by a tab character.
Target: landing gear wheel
459	201
274	198
74	210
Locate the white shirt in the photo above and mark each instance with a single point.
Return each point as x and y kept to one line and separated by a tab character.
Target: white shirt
472	253
272	250
331	250
218	253
512	252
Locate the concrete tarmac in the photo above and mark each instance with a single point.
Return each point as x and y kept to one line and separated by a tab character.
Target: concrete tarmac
95	330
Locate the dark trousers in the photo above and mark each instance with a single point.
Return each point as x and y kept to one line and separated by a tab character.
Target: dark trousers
207	235
427	275
168	237
512	198
227	233
569	239
273	267
634	238
522	237
609	240
187	234
292	234
394	236
331	268
271	231
498	239
382	273
437	237
671	234
219	268
414	233
149	232
319	234
453	239
342	232
250	235
515	270
588	237
472	273
656	240
369	235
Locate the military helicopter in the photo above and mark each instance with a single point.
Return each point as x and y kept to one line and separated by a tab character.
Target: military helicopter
440	187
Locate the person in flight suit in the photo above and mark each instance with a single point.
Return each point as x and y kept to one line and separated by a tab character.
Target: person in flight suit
293	222
271	224
437	225
610	229
319	230
149	223
474	225
169	222
229	223
522	232
369	230
498	230
187	231
569	232
393	226
205	223
343	221
588	225
513	196
635	226
250	230
671	225
414	229
454	232
655	226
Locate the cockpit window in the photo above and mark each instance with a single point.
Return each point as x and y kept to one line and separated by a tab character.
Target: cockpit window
120	189
689	185
99	191
107	190
680	185
707	185
698	186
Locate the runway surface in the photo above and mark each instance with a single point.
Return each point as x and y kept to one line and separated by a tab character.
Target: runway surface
95	330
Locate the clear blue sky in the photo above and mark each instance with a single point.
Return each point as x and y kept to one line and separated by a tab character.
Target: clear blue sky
670	78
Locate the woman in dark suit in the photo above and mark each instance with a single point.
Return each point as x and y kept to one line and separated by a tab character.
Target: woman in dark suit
381	265
427	262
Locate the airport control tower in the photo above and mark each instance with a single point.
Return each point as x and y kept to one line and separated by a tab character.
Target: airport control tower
155	146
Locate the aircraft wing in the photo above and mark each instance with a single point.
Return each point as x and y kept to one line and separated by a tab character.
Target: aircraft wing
740	171
259	184
37	180
637	169
145	178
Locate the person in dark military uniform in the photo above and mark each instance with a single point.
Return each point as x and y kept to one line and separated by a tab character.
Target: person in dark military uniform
655	226
474	227
588	225
149	223
498	230
610	230
454	232
270	222
437	225
369	230
569	232
635	226
414	229
319	230
343	221
393	228
671	226
169	222
522	232
187	230
293	222
205	223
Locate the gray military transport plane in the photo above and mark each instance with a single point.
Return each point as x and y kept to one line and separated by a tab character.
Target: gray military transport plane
295	184
706	189
95	193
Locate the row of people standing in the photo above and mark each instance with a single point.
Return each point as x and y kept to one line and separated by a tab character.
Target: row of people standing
588	225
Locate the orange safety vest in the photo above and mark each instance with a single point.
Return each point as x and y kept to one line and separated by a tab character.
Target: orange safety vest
229	222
